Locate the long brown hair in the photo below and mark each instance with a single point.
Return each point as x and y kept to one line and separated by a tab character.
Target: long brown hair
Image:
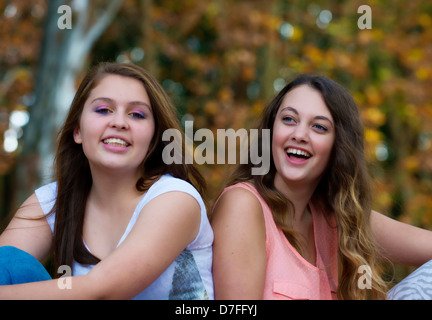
72	169
344	190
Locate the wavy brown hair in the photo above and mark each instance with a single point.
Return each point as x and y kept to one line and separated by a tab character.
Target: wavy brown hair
344	190
72	170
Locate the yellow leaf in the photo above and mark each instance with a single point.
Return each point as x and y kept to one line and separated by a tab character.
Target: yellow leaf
257	109
313	53
375	116
373	96
411	163
425	20
415	55
211	108
422	73
225	94
297	35
373	136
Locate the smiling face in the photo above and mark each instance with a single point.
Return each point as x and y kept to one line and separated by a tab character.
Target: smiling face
303	137
116	125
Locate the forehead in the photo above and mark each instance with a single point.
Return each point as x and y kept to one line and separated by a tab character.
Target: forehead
305	99
119	88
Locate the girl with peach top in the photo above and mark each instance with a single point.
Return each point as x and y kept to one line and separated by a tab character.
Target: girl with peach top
306	230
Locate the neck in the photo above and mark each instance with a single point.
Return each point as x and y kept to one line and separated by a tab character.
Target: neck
113	191
299	194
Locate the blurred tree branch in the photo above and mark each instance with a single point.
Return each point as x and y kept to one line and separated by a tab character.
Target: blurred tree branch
62	58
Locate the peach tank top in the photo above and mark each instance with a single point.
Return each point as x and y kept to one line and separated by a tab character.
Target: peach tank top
288	274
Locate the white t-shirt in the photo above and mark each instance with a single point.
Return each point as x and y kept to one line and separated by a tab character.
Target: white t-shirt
189	276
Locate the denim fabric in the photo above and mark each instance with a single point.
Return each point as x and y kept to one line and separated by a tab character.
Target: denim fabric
17	266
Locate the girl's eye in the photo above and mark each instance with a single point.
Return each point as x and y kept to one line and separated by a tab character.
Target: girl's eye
137	115
320	127
288	119
102	110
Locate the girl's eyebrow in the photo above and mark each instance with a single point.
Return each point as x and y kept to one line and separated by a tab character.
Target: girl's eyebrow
111	101
108	100
316	117
291	109
325	119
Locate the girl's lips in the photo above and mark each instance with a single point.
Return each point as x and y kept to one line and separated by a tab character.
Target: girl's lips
115	144
296	160
298	152
297	156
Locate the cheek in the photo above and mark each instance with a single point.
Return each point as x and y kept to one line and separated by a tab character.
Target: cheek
325	148
279	137
274	142
146	135
277	143
84	136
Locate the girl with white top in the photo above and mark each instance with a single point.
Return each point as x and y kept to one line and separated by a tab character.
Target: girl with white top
127	224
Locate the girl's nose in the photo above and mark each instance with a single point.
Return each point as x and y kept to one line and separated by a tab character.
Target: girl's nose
119	121
300	133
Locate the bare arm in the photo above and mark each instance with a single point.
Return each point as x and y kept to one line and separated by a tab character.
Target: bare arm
239	254
166	225
28	230
400	242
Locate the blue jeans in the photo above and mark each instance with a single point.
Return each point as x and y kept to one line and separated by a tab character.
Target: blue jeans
17	266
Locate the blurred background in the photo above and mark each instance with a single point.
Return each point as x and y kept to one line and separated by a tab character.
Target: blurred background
222	61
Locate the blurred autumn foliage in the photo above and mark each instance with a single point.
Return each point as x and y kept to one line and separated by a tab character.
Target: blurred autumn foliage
222	61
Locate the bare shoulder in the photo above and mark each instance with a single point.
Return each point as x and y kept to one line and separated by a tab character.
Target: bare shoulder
30	208
239	249
238	207
238	198
29	214
28	229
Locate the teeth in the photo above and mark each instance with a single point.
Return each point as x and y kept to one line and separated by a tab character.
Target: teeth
299	152
116	142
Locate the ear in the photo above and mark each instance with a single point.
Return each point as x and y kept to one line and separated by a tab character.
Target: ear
77	135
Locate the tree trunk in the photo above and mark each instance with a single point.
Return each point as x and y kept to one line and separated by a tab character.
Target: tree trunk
63	56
